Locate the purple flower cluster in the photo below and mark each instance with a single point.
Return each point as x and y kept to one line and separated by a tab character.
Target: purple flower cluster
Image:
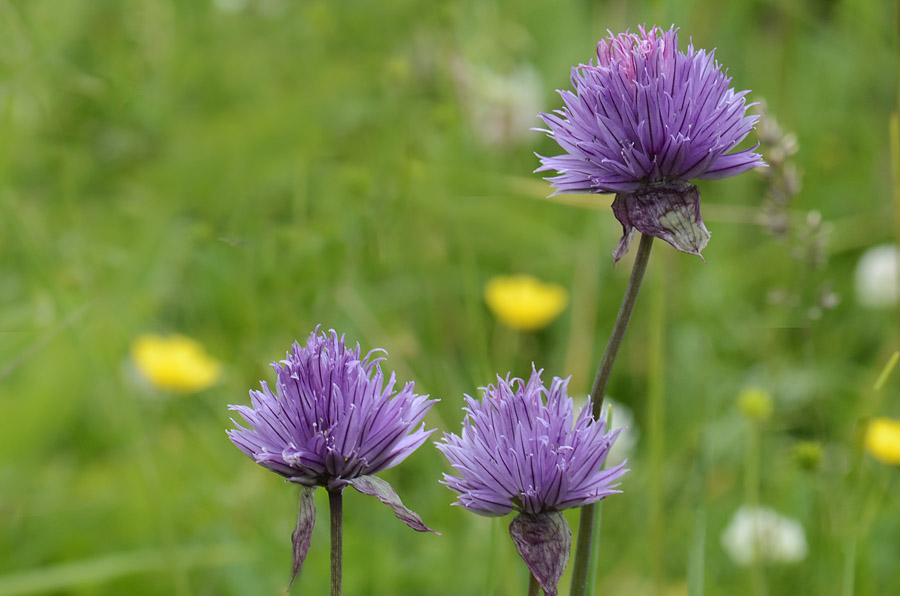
334	422
520	452
642	121
333	418
645	115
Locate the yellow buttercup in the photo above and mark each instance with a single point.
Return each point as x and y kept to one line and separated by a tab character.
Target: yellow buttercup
883	440
524	302
174	363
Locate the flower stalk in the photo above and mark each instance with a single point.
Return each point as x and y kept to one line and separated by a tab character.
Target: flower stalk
584	546
336	508
534	588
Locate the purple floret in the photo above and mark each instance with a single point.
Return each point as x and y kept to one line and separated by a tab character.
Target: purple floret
332	418
519	450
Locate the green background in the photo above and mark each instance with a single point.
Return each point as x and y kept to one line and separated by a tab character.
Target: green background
240	172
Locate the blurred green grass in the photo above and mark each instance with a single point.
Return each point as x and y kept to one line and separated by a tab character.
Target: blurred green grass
243	176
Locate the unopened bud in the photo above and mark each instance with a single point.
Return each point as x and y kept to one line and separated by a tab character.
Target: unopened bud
755	404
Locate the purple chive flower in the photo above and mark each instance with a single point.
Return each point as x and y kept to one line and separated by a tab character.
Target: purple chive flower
523	448
642	122
333	421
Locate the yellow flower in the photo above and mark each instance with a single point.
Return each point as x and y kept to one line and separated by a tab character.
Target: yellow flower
524	302
174	363
883	440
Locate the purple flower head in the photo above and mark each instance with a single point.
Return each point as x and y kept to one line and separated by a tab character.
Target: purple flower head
333	422
642	122
333	418
520	450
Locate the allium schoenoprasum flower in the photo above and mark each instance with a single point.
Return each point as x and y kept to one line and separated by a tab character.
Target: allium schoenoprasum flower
642	122
333	421
523	448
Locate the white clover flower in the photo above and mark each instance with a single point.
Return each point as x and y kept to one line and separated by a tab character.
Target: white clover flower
878	277
760	532
500	107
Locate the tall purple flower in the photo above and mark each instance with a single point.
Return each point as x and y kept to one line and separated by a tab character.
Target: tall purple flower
332	422
522	448
642	122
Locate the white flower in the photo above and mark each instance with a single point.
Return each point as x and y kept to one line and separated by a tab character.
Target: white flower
760	532
502	108
878	277
230	5
267	8
622	416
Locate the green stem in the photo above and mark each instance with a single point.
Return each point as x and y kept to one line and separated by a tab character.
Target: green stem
697	556
656	414
336	507
534	588
751	488
494	558
848	581
595	544
601	381
696	571
751	497
584	545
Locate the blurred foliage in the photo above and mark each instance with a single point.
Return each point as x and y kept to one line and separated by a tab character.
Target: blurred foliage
240	171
